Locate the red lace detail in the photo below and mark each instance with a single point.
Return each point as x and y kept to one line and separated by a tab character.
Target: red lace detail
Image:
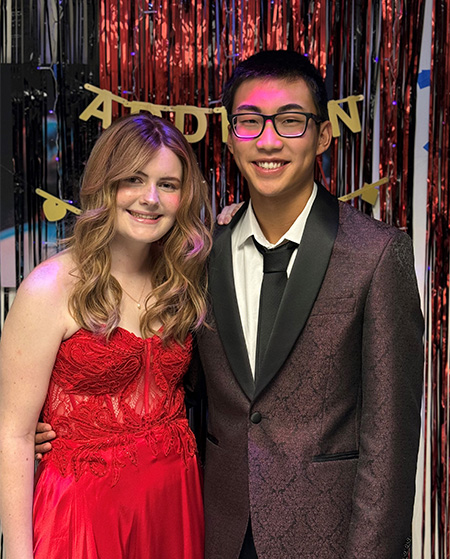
105	395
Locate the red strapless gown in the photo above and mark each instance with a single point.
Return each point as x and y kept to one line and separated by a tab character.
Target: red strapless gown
123	479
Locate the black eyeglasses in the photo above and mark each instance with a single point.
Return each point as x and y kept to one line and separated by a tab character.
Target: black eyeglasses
287	125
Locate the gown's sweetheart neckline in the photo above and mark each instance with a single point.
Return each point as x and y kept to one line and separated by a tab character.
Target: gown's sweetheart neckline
123	386
85	331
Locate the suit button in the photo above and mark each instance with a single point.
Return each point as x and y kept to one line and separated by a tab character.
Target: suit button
256	417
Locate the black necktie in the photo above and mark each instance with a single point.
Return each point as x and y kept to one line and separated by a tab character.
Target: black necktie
276	261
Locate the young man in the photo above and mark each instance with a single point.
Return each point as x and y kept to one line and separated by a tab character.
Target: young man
313	432
314	413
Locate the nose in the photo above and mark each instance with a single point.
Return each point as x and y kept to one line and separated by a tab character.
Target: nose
269	138
150	195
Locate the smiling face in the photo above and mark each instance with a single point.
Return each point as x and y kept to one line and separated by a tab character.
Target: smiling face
147	201
276	168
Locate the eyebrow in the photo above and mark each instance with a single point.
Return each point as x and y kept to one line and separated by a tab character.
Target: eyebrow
165	178
174	179
282	109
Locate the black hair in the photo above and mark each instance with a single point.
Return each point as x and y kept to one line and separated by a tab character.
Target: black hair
278	64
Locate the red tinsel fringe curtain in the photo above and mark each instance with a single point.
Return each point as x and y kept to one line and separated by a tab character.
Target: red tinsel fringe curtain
183	52
437	285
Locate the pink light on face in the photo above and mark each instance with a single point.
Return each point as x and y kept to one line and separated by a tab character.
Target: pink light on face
277	167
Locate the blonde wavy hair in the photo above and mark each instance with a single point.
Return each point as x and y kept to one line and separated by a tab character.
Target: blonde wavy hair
178	260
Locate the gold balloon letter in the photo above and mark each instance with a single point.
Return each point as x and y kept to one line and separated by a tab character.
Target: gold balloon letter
103	98
199	114
351	120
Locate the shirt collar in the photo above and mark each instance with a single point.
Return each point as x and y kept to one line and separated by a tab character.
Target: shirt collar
248	226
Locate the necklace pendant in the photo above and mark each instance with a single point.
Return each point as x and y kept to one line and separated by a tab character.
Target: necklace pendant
139	306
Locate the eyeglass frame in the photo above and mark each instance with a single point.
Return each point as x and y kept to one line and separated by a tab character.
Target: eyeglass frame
309	116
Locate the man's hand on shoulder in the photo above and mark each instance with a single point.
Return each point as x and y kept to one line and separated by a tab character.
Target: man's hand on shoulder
227	213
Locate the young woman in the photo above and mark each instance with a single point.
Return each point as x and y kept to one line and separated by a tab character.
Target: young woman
99	338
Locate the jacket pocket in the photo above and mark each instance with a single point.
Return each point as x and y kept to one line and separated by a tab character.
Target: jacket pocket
337	305
352	455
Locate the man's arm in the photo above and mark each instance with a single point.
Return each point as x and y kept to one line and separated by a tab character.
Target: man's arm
392	381
196	403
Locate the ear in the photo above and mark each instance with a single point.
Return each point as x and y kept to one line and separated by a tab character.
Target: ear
230	139
325	137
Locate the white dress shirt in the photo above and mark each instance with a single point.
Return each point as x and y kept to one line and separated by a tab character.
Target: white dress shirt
248	267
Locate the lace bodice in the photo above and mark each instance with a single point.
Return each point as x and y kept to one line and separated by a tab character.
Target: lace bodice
103	395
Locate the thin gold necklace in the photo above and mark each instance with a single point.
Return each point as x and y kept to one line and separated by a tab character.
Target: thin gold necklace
137	301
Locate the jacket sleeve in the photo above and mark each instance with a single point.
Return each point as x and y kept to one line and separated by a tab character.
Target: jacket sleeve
196	402
392	382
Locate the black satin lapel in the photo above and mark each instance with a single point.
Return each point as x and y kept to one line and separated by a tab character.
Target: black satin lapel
304	284
225	307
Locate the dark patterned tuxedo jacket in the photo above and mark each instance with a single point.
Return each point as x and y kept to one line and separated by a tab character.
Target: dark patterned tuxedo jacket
322	451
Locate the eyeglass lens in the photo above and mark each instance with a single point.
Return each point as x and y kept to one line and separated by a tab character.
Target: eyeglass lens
286	124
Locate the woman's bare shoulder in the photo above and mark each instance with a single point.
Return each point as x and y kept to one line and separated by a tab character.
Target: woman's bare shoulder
46	290
42	298
55	275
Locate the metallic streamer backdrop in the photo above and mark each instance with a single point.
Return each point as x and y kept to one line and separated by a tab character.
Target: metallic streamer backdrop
437	282
181	52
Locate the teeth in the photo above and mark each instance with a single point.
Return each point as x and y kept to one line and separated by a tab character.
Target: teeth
143	216
269	164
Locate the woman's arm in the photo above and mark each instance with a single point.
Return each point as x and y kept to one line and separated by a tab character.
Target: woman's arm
32	333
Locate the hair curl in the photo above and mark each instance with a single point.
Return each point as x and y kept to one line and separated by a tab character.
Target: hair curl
178	260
